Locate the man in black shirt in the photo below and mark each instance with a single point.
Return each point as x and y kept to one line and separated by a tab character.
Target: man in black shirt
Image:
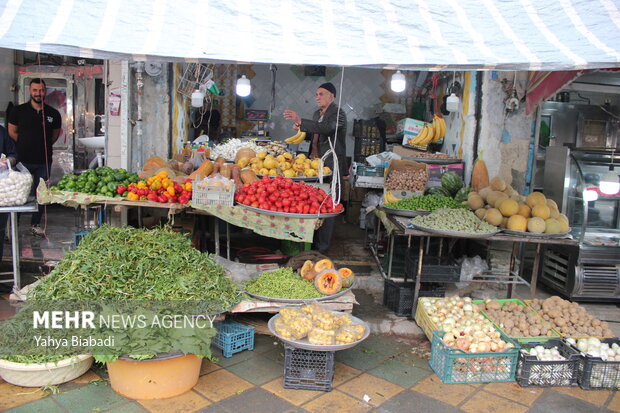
35	126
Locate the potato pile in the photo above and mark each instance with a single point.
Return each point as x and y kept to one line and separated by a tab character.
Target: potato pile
500	205
517	320
570	319
407	180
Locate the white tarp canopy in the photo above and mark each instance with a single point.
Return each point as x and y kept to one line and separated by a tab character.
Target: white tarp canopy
416	34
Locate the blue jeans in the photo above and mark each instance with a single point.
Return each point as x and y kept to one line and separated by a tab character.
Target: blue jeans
37	171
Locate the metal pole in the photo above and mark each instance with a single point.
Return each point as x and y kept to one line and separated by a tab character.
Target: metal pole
15	251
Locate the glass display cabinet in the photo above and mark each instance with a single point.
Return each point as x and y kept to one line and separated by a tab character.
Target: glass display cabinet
590	272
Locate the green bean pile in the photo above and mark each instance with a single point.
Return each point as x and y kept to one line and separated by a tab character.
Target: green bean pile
454	220
426	203
137	264
282	283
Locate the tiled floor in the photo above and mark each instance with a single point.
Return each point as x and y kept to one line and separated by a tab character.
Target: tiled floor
384	374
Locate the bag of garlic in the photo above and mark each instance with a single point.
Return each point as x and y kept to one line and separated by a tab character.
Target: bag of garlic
14	184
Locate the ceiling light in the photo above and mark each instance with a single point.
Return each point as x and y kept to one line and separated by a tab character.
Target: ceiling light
398	82
590	195
243	86
197	98
452	103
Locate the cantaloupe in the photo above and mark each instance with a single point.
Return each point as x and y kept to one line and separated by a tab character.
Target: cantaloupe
494	197
563	218
552	226
551	203
509	207
535	198
517	223
497	184
563	225
504	222
536	225
485	192
480	213
554	213
493	217
475	202
524	210
541	211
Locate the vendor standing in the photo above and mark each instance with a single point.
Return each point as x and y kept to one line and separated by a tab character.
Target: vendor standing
328	125
35	127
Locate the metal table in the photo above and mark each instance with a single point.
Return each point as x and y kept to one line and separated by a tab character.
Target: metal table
13	210
511	278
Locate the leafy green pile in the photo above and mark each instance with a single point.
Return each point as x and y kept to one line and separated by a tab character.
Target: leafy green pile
34	359
426	203
282	283
137	264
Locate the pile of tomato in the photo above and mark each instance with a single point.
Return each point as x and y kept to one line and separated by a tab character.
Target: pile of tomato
285	195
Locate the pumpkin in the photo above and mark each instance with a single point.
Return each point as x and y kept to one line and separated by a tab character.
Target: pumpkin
322	265
479	175
203	170
305	271
328	281
245	153
347	276
247	175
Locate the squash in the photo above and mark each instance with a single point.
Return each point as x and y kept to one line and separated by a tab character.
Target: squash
203	170
236	176
247	175
154	162
479	175
220	161
328	281
322	265
306	272
497	184
347	276
226	171
245	153
215	171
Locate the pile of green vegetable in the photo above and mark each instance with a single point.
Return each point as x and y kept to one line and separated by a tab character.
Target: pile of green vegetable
282	283
100	181
426	203
454	220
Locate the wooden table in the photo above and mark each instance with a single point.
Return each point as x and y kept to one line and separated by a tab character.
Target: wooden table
401	229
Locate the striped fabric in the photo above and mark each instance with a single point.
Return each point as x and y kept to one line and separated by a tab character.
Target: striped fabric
416	34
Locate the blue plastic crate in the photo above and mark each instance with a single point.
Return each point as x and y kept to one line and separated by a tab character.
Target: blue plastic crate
456	366
233	337
77	236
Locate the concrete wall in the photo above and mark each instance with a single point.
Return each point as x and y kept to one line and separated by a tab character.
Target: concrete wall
504	137
7	80
114	122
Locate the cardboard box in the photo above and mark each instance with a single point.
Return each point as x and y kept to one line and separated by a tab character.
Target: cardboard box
410	128
401	165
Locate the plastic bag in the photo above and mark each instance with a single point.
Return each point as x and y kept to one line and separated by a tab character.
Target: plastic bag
14	184
381	158
472	266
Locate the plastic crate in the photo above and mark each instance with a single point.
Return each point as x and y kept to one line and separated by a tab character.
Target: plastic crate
398	296
308	370
596	374
456	366
532	372
77	236
211	195
537	339
292	248
233	337
434	269
423	320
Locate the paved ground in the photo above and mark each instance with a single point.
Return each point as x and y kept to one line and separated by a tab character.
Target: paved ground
391	369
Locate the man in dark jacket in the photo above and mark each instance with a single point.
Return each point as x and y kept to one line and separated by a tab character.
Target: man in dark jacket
7	147
328	125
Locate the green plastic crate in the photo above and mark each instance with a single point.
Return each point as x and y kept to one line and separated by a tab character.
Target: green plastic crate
292	248
456	366
538	339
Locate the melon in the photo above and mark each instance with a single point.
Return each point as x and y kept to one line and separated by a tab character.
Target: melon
536	225
475	202
504	222
541	211
485	192
555	214
551	203
517	223
563	225
535	198
563	218
524	210
493	217
463	194
438	190
509	207
497	184
480	213
452	182
552	226
496	198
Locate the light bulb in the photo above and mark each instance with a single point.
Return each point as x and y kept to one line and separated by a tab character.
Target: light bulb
609	184
197	98
243	86
590	195
452	103
398	82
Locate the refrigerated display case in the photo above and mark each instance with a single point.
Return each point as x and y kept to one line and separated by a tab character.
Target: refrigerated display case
590	272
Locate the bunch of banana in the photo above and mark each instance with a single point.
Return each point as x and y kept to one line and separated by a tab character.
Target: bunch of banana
426	136
439	124
389	198
297	138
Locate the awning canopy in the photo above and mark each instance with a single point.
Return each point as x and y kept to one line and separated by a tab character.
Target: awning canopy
421	34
